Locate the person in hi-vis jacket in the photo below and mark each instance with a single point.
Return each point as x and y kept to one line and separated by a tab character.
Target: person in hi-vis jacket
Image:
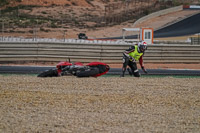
131	55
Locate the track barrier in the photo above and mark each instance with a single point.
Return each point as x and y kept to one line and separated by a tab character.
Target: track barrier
87	51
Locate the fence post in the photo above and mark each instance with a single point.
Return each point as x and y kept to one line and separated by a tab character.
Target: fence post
3	30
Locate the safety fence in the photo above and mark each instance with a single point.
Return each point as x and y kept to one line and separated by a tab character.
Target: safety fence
195	40
88	52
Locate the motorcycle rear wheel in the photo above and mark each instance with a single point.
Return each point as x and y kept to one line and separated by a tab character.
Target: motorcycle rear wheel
49	73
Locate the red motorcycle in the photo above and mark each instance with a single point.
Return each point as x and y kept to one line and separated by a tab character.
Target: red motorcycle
93	69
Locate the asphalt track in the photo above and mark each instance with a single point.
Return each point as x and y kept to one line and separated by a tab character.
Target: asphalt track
112	71
187	26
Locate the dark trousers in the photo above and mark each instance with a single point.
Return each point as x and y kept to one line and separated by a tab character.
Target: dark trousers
132	64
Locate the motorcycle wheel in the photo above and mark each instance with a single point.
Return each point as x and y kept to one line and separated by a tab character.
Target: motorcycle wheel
49	73
88	72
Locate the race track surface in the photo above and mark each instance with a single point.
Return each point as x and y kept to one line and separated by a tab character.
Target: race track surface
112	71
188	26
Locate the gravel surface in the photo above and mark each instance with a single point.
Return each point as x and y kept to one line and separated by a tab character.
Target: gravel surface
104	104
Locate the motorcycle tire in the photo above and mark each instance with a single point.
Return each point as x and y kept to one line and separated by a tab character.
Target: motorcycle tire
49	73
88	72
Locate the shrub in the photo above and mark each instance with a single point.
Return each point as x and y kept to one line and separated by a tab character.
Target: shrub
3	2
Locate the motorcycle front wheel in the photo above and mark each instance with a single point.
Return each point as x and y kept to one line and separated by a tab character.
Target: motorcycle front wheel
49	73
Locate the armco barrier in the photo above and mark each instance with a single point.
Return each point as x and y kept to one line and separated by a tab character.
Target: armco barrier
87	52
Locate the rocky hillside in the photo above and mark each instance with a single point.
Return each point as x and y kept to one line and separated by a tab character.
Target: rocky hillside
67	18
83	3
51	18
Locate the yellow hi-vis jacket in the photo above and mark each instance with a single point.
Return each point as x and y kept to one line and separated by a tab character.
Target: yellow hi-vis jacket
135	54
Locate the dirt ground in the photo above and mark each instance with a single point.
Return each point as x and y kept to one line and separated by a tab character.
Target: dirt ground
104	104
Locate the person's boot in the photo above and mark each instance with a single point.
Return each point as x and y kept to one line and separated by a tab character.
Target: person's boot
122	75
130	71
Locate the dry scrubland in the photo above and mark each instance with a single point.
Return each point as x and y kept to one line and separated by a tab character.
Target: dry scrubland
70	104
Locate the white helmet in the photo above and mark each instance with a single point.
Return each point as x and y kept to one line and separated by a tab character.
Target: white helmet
142	46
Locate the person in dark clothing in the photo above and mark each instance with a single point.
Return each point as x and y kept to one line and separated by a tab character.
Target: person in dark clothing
131	55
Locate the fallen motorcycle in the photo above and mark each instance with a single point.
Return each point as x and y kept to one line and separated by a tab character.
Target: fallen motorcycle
93	69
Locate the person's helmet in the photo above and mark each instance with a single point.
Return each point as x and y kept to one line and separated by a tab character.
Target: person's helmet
142	46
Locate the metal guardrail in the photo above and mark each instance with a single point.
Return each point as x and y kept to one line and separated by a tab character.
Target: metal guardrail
55	40
87	51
